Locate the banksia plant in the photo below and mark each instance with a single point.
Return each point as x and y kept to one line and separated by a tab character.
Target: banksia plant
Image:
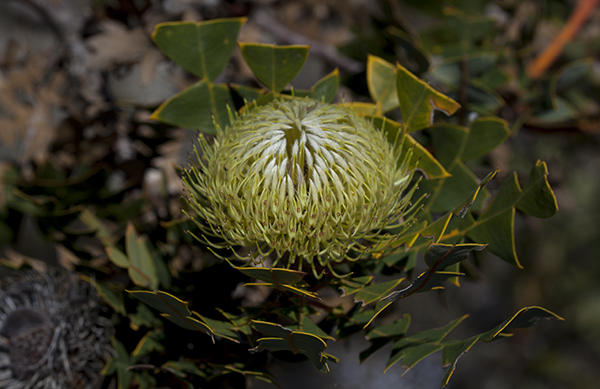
301	180
288	180
53	336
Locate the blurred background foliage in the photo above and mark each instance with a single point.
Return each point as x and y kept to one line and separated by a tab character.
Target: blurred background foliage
79	160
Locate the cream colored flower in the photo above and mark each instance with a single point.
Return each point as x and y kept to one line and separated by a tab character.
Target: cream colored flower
299	180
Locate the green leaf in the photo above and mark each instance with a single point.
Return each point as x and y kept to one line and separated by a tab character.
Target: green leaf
248	93
117	257
307	325
326	88
281	338
220	328
452	352
485	135
172	308
238	323
201	48
525	317
462	208
381	80
143	317
273	275
152	341
538	199
198	107
182	368
141	268
380	336
274	66
453	143
114	300
416	347
366	294
437	257
277	278
96	225
423	160
121	363
418	100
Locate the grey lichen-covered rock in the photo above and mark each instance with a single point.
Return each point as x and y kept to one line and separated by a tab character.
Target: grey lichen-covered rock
52	334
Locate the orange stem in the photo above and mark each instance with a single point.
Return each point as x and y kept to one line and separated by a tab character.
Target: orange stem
542	62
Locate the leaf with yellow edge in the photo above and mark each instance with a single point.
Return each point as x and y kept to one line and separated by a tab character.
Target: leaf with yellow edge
201	48
367	110
424	161
326	88
172	308
274	66
198	107
525	317
381	80
418	100
281	338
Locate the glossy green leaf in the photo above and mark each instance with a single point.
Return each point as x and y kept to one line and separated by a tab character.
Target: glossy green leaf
326	88
381	80
172	308
281	338
274	66
198	107
201	48
418	101
141	268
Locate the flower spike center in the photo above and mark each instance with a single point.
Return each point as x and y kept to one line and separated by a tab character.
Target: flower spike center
298	177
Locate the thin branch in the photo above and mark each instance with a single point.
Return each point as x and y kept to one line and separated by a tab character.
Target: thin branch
542	62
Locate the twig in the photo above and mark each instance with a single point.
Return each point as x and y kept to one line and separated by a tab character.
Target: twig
542	62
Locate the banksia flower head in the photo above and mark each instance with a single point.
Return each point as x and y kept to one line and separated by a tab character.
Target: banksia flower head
299	180
51	335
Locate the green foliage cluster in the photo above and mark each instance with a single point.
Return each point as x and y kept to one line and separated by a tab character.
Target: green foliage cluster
459	216
459	209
